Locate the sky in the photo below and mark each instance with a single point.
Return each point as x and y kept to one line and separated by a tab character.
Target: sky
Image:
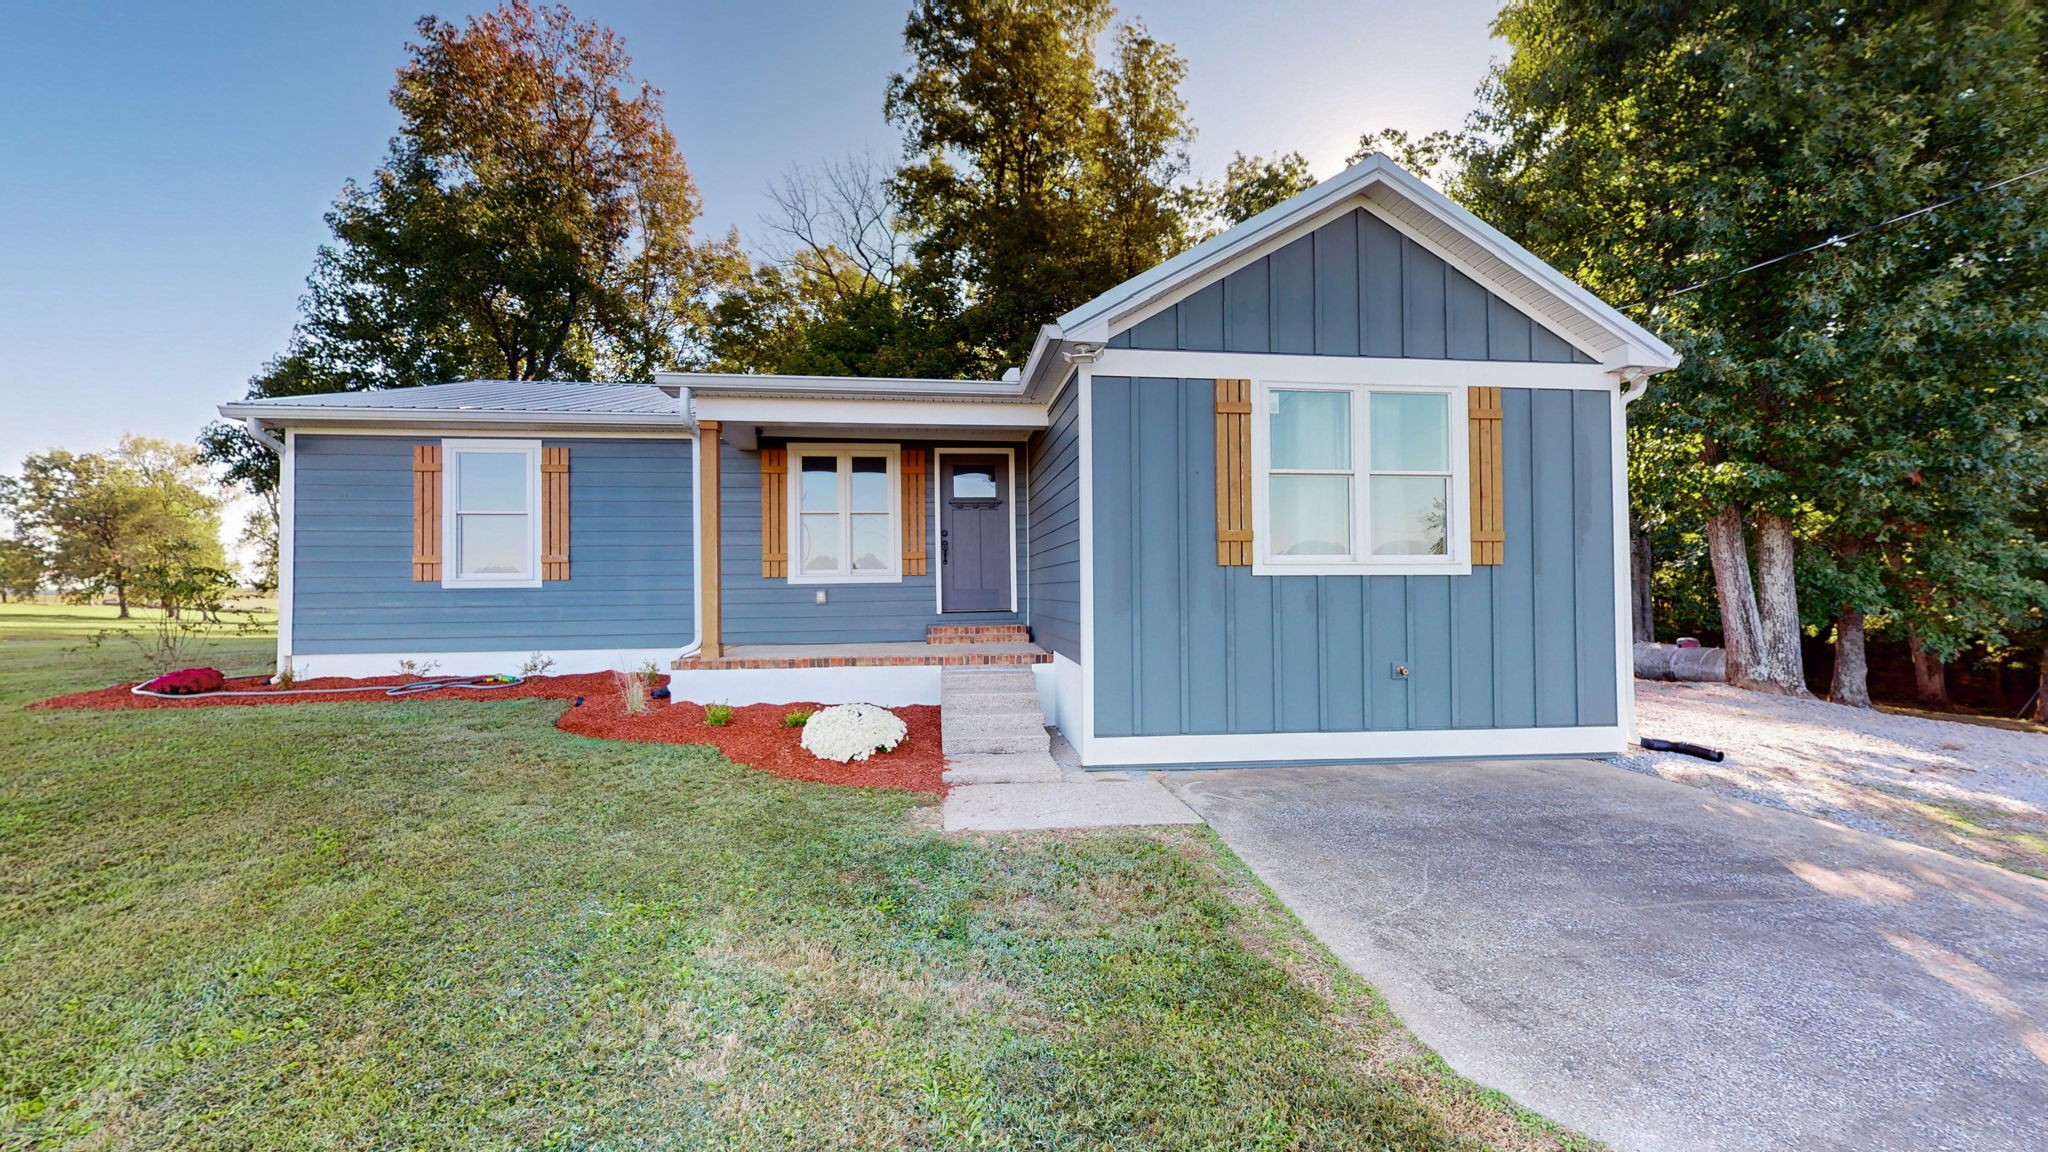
163	169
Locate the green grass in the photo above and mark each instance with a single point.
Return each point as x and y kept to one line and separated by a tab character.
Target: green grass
449	924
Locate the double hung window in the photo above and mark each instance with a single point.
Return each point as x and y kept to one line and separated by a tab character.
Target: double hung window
1358	478
491	489
843	510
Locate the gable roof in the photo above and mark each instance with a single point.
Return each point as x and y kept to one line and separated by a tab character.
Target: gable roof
1379	184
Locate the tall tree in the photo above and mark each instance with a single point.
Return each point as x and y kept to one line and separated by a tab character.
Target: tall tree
1033	178
21	569
1647	149
97	519
531	221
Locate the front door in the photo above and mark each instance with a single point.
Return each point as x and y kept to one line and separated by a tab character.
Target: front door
974	533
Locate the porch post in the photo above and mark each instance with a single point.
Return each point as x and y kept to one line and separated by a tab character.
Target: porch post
709	646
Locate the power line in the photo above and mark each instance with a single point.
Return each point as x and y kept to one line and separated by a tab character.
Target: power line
1838	241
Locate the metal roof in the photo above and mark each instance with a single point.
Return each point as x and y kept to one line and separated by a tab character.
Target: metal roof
509	397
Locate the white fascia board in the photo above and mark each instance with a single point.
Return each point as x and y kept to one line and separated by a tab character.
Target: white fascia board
904	413
307	415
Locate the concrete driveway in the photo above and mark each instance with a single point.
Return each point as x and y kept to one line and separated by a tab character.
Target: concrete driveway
1661	968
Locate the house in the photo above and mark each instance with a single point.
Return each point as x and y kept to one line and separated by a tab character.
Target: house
1344	482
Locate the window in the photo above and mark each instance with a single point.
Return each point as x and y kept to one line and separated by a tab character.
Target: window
490	489
843	514
1357	477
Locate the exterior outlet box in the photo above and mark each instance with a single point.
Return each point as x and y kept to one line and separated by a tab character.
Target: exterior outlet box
1398	671
821	595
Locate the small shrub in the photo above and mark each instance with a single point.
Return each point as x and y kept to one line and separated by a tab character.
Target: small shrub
651	673
287	675
797	719
718	715
417	669
536	665
191	602
635	691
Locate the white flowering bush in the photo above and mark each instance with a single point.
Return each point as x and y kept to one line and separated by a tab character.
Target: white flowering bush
852	732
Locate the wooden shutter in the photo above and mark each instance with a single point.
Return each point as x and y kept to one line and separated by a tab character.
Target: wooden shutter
1489	506
426	512
1234	473
775	513
554	513
914	528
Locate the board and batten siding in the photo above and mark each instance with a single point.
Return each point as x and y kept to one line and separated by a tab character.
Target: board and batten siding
1055	532
1184	646
757	609
1354	287
630	578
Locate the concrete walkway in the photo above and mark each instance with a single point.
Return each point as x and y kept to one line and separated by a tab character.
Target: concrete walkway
1662	968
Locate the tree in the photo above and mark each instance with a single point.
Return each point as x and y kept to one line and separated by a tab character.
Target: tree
531	221
21	569
1658	154
1252	184
1032	179
100	519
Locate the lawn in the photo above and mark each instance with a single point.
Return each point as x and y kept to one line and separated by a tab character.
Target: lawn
449	924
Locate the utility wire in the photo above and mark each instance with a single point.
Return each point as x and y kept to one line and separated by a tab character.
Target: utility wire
1838	241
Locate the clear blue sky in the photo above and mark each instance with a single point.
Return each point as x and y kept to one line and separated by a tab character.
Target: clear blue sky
163	169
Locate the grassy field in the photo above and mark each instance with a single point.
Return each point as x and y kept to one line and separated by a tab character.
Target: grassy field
419	924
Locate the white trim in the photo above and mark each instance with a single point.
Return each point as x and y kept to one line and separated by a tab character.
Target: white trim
697	571
308	414
897	415
1624	583
287	551
451	540
1352	369
889	687
1457	557
567	661
533	428
892	454
938	498
1353	747
1064	711
1082	737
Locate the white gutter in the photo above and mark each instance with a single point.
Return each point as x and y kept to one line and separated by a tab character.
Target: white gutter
339	414
264	436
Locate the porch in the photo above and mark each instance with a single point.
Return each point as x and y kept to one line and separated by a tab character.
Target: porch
944	646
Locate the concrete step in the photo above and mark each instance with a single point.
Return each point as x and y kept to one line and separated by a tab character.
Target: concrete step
1067	804
991	678
1015	725
990	703
1009	736
1002	768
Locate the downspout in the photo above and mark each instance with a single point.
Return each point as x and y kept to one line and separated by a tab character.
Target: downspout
264	436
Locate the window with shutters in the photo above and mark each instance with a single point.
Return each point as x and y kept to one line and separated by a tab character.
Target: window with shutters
844	507
490	497
1357	478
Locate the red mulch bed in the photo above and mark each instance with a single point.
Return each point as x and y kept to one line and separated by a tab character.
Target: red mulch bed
756	736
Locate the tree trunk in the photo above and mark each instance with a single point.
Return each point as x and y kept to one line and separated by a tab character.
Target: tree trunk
1777	601
2041	690
1639	582
1740	626
1852	668
121	598
1930	676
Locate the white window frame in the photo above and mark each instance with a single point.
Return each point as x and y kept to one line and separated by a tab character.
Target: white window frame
1457	557
892	454
451	514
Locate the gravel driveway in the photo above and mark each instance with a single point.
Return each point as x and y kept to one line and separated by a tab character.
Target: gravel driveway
1977	791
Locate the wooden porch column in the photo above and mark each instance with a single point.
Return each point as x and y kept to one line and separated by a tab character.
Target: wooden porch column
709	646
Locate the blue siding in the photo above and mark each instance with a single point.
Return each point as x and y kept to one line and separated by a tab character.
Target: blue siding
630	582
760	610
1185	646
1354	287
1053	506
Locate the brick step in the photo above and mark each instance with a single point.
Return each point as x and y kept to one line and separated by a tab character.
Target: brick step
977	634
